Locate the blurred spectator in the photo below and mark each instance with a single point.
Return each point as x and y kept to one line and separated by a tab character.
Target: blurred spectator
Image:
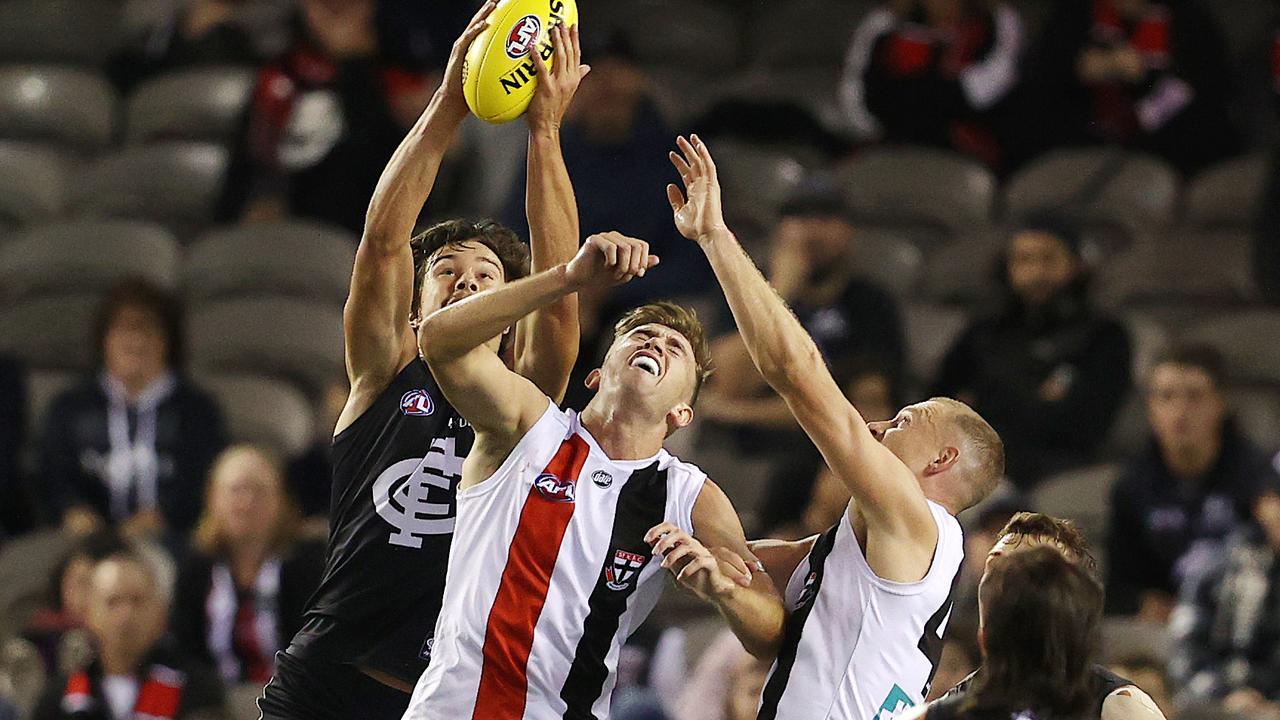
310	473
1047	370
745	686
1266	254
1149	675
713	688
241	594
323	120
804	497
1227	625
615	143
979	539
204	32
1178	501
15	516
1148	74
934	72
132	674
68	597
132	444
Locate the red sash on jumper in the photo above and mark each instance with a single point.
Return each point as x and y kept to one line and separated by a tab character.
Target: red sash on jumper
158	698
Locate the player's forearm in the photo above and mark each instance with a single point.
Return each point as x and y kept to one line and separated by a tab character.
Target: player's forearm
756	617
777	342
407	180
550	344
459	328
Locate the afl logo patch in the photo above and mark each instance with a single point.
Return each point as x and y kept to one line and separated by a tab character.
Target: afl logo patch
417	403
523	35
602	479
554	489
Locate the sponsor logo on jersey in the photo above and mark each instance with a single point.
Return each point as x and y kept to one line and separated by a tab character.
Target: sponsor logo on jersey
555	489
808	592
417	403
623	569
523	35
425	652
896	703
601	478
400	494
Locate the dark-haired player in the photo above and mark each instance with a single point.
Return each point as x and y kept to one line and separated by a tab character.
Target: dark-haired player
399	444
1113	697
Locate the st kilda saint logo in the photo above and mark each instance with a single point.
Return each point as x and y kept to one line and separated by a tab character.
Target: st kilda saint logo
554	489
623	569
523	36
417	403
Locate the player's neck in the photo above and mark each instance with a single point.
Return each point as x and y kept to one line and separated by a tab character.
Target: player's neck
623	435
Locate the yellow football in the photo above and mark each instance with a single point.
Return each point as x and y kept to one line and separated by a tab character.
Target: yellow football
499	76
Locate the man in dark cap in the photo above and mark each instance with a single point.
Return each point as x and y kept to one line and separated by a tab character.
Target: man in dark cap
1047	370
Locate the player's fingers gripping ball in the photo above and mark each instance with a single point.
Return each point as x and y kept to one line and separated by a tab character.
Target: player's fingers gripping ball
499	75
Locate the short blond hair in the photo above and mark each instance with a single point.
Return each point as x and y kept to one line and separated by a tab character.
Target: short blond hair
984	448
679	318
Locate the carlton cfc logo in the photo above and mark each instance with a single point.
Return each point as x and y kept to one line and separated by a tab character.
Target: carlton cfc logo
554	489
417	403
523	36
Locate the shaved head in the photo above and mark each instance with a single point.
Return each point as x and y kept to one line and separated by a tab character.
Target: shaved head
981	452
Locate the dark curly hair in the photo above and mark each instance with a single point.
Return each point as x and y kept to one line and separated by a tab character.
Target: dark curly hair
511	251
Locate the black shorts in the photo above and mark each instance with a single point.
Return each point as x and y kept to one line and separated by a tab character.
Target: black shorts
324	690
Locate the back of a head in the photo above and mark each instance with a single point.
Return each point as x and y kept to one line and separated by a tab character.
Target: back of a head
1040	618
981	454
1026	529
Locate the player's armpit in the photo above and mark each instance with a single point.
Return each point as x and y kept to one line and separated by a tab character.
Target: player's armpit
780	558
1130	703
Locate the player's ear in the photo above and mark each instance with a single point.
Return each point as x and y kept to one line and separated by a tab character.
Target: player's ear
593	380
678	417
946	458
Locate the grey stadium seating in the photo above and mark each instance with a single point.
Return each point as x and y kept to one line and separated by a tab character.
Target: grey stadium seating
82	32
930	331
1134	194
1189	269
263	410
756	181
964	272
1249	342
891	261
1083	495
43	386
660	36
297	258
803	32
280	337
174	183
33	182
910	189
1226	196
50	332
86	256
204	103
68	107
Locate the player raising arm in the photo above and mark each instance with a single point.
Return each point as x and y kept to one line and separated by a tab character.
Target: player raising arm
556	510
869	598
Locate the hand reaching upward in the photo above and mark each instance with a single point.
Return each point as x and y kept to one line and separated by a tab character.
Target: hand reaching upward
697	210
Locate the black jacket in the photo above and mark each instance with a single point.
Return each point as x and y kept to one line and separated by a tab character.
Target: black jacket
200	693
189	435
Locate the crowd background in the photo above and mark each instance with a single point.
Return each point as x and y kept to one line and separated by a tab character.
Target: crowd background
1065	212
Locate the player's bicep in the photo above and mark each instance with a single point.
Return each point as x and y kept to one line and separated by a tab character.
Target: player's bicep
716	523
780	558
376	315
493	399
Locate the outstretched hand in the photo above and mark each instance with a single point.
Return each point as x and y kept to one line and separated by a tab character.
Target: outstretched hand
710	573
609	259
697	210
451	87
557	83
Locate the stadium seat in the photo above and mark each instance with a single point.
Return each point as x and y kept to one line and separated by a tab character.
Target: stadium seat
811	87
174	183
200	104
891	261
69	107
33	182
263	411
1134	194
1189	269
1226	196
281	337
1126	637
80	32
1130	431
43	386
51	332
804	32
944	193
1257	408
297	258
1148	337
86	256
1083	495
25	566
661	36
1249	342
965	272
755	181
930	330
